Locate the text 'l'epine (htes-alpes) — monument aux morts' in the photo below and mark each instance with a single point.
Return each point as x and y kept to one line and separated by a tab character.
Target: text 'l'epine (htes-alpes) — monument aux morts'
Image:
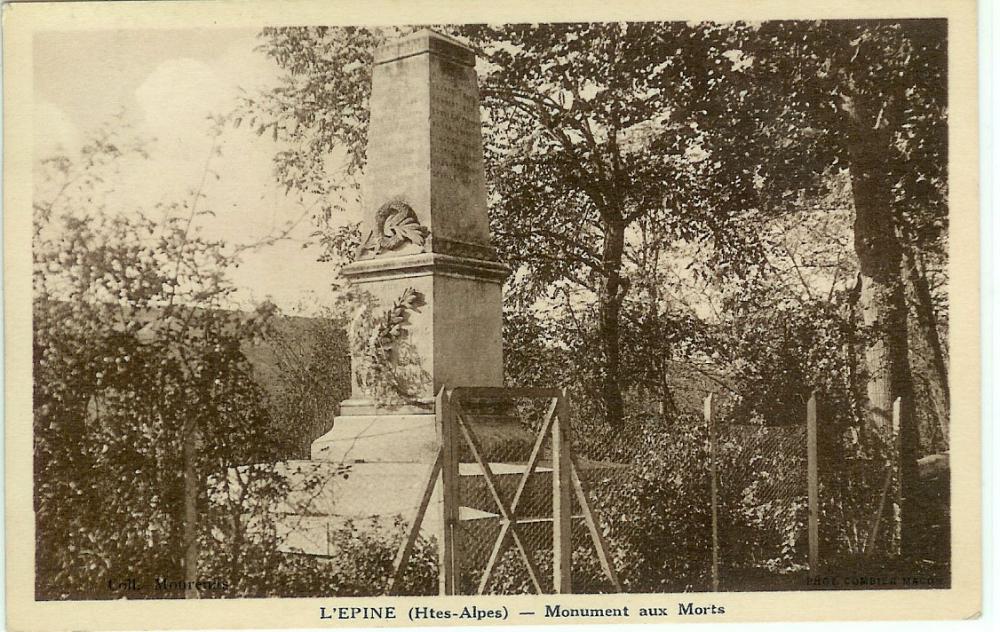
426	238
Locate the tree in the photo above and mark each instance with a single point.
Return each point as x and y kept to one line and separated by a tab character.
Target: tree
141	388
815	102
868	98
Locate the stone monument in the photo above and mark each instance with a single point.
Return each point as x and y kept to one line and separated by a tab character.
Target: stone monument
426	228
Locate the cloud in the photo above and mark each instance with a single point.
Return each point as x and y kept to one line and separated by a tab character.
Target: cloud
54	131
178	96
243	66
247	206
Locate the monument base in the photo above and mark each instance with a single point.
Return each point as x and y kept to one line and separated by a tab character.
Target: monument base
372	469
397	438
364	496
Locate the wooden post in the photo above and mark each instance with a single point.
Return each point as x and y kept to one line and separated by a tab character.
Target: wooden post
872	538
449	489
192	482
812	469
562	508
891	473
406	547
710	420
897	470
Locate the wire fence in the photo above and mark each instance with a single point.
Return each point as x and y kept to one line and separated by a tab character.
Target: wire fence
509	516
650	497
762	501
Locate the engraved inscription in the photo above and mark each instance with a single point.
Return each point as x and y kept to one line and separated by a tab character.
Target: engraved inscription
457	148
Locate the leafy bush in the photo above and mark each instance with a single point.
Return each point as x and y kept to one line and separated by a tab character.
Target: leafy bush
362	565
118	389
655	506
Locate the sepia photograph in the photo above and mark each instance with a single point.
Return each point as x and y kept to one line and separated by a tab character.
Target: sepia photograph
458	308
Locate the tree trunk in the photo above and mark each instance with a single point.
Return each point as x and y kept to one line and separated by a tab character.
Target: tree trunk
927	326
883	310
191	485
612	294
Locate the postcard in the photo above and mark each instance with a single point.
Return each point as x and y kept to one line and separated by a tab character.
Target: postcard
382	314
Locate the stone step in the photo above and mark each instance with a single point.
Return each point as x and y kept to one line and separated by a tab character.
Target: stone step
478	531
315	488
414	438
361	490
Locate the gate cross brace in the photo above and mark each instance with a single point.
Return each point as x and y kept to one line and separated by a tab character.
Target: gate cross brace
505	511
406	548
501	542
600	545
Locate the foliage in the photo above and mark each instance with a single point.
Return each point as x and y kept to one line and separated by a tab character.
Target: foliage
581	139
385	364
658	516
377	343
648	244
655	259
137	350
626	128
872	99
762	497
326	88
823	80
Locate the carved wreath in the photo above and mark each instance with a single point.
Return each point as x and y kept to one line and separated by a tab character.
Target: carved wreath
395	224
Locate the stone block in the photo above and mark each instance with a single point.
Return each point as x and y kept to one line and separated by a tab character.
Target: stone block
376	438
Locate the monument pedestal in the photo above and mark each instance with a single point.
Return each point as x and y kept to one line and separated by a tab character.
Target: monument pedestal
374	438
455	337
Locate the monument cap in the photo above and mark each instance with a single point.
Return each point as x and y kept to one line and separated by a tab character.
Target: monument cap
426	41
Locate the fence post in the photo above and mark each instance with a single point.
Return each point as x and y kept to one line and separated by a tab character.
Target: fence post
449	489
713	466
812	469
562	546
897	469
891	473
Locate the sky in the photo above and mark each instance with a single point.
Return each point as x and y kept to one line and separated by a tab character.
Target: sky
165	83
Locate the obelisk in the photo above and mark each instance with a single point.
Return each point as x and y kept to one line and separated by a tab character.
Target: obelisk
426	228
